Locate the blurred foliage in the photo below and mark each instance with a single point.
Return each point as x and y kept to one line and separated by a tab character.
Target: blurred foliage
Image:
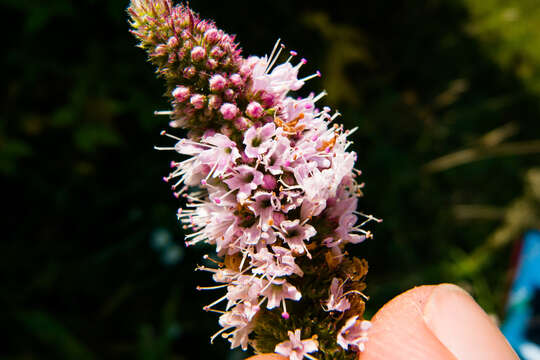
445	95
509	33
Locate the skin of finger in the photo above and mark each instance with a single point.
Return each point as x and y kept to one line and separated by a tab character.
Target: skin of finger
463	327
399	331
267	357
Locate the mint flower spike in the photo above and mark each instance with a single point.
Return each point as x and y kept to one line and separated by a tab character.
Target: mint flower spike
270	181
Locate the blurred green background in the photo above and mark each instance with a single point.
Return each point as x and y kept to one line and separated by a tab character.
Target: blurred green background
446	95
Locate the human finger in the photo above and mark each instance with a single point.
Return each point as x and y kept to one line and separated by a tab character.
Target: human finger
436	322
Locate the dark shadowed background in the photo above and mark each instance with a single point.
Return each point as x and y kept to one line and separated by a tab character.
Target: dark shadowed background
446	96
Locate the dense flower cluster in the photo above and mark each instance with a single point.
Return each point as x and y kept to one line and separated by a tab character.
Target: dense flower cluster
268	180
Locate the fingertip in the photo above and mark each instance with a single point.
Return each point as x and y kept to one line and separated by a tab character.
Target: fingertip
435	322
400	333
267	357
463	327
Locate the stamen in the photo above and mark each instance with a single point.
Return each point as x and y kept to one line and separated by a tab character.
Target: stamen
293	54
275	58
163	112
320	96
285	314
218	333
355	292
317	74
207	307
164	133
272	54
199	288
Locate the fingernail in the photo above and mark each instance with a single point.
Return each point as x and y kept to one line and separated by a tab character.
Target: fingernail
463	327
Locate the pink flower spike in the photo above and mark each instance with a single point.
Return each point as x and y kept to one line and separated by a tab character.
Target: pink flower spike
229	111
295	348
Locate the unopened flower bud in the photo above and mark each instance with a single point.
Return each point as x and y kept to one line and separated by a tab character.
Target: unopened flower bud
202	26
172	42
236	79
197	101
189	72
229	94
217	83
211	64
214	101
217	52
241	123
212	36
267	99
181	93
198	53
161	50
185	35
254	110
229	111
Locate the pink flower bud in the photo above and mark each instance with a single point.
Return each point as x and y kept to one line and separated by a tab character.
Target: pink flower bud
268	99
189	72
245	69
197	101
188	45
229	111
254	110
214	101
202	26
236	79
185	35
212	36
160	50
217	83
172	42
269	182
181	93
211	64
229	94
241	123
198	53
217	52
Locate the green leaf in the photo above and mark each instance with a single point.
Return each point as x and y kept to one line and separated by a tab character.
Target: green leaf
53	334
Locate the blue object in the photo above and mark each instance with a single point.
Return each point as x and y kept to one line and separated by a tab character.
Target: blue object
522	325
